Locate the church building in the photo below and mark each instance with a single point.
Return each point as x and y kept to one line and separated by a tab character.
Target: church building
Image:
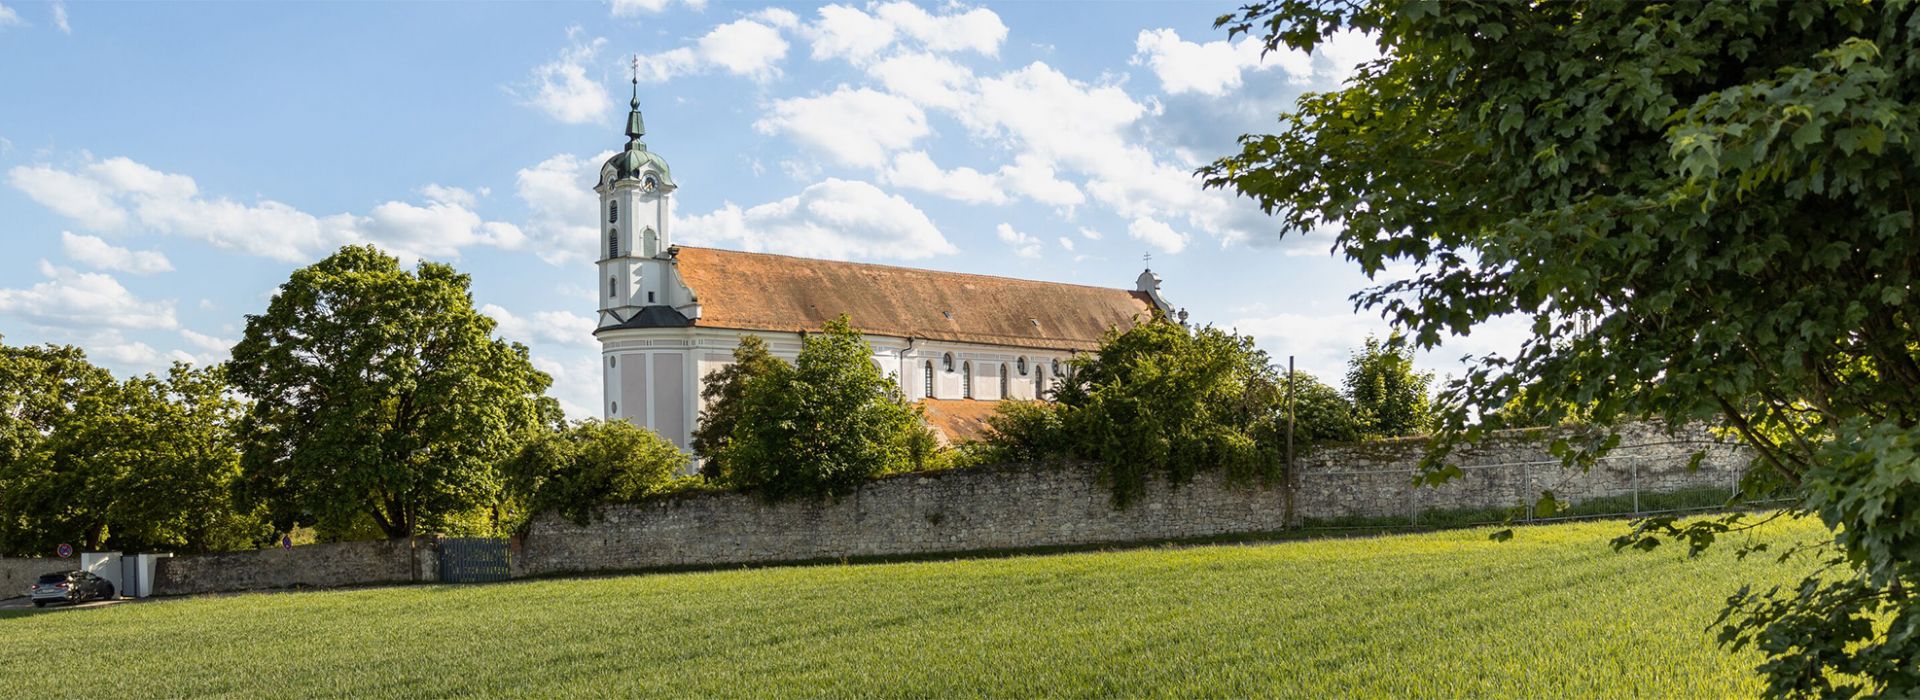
956	343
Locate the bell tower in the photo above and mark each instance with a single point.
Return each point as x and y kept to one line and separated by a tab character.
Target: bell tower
636	205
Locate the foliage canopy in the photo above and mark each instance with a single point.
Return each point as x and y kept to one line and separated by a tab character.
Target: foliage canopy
143	463
821	426
1707	212
724	393
590	464
381	393
1389	397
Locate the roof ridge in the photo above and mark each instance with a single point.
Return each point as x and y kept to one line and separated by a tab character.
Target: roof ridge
903	267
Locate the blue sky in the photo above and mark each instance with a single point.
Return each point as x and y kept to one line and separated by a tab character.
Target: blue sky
167	164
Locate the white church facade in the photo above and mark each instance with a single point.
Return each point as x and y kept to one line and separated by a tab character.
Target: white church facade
957	343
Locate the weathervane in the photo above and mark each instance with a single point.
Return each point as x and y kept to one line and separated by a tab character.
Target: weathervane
1148	259
636	69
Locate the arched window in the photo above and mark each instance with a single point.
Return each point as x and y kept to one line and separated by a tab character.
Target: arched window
613	243
966	380
929	387
1039	382
613	288
946	362
613	212
1006	385
1022	365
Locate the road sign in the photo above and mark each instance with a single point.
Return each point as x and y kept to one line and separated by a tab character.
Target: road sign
64	550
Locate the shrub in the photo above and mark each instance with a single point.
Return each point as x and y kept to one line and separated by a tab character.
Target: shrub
1028	432
1320	413
593	463
1389	398
822	426
723	392
1158	399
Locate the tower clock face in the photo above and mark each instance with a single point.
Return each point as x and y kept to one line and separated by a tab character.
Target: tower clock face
649	184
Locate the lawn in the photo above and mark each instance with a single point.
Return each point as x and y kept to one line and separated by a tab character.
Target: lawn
1552	613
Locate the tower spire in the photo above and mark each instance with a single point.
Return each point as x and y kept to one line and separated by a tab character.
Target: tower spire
635	126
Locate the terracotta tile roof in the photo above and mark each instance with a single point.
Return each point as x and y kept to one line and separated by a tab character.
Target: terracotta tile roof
758	291
959	420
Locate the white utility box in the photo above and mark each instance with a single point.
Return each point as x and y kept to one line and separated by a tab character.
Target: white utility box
106	565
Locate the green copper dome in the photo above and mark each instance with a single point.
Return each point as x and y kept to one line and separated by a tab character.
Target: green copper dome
636	159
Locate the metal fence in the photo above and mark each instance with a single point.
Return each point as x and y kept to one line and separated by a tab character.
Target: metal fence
474	560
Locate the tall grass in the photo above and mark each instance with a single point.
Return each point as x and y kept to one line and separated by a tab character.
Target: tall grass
1552	613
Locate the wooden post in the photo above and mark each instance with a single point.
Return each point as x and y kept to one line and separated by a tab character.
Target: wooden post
1289	476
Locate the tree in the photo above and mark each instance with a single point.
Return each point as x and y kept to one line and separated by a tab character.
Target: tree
1158	399
1321	413
590	464
379	393
722	395
140	464
822	426
179	492
1706	210
52	489
1389	398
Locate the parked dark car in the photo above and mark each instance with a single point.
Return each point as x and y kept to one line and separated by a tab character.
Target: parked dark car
69	587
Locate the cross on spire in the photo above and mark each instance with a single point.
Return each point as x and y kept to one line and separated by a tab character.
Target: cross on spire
1148	259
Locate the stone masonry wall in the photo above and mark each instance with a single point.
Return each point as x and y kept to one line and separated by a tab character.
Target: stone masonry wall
1028	507
17	573
314	565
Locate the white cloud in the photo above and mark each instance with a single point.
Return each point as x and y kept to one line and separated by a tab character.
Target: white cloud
856	126
9	18
1089	234
453	195
849	33
559	193
861	35
1066	243
744	47
212	349
70	299
1157	234
60	17
123	195
1217	67
1320	343
1027	176
634	8
71	195
978	30
564	90
837	219
1022	244
555	327
113	349
1212	68
576	379
928	80
916	170
1034	178
95	252
1342	53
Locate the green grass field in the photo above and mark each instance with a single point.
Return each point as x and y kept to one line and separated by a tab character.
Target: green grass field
1552	613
